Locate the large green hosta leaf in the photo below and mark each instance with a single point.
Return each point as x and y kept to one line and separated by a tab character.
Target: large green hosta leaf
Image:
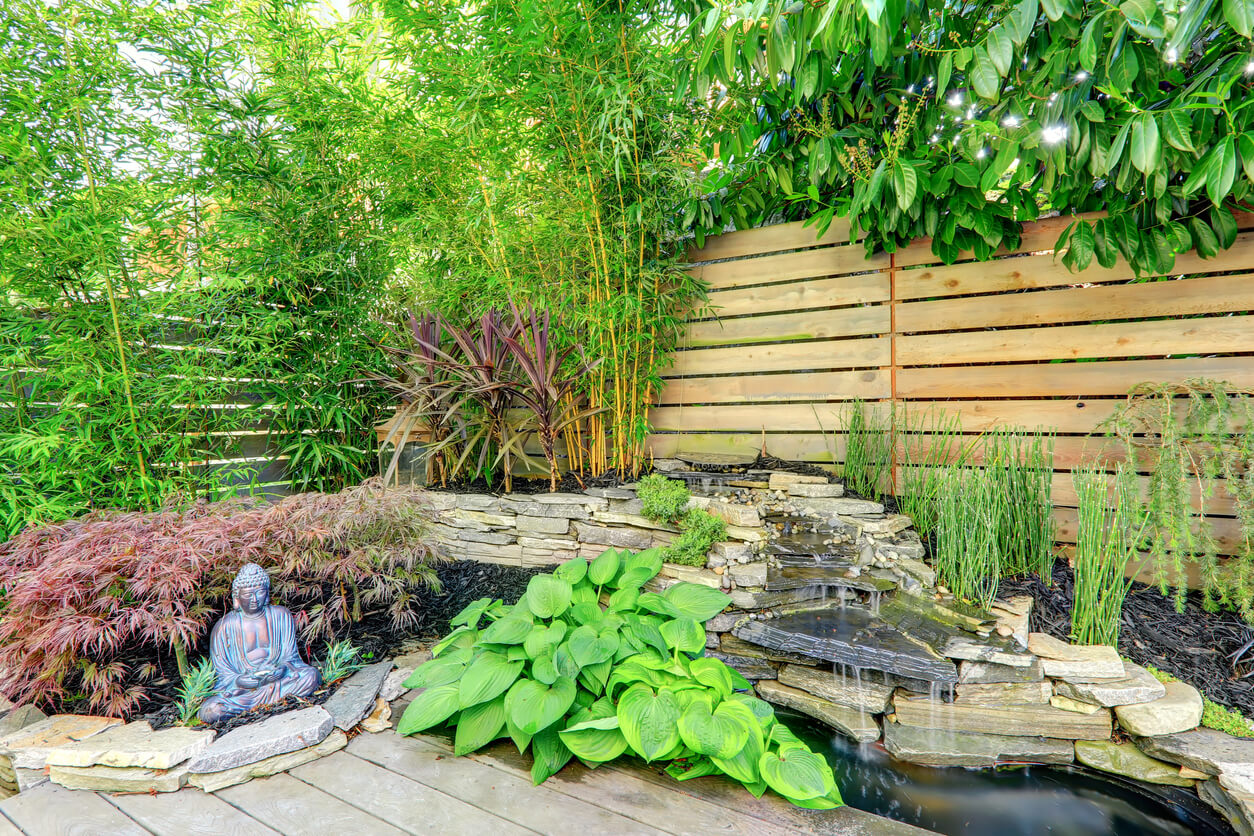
719	735
588	646
511	629
604	567
744	764
596	740
650	559
533	706
691	600
547	596
544	638
713	673
550	754
446	669
486	678
683	634
797	774
431	707
649	721
572	571
479	725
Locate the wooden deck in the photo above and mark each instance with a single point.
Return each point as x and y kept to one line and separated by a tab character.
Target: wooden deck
386	784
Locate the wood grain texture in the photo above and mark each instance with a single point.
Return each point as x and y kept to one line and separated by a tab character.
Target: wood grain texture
782	357
297	809
1212	335
506	794
398	800
1068	379
867	384
1027	272
1215	294
50	810
799	295
808	325
765	239
188	812
803	264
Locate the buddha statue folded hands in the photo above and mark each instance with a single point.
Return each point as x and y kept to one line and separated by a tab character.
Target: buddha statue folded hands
255	658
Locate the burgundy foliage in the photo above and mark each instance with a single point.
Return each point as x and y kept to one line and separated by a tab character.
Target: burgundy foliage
79	592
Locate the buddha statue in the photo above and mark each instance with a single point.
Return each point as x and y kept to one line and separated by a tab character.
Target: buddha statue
253	648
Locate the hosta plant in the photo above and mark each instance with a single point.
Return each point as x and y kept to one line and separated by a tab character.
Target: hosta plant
586	665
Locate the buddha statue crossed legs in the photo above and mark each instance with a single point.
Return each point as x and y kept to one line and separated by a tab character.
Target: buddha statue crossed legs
253	648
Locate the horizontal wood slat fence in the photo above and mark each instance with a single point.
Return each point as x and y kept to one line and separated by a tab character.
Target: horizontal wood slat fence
803	324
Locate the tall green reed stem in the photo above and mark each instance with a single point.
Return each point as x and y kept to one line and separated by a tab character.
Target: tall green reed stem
1111	523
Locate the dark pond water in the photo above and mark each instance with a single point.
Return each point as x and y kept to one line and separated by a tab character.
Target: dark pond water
1021	801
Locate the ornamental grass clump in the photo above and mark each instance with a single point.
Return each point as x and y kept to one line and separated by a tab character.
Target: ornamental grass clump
85	597
588	666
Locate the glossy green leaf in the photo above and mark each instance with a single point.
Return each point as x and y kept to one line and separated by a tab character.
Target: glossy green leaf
544	668
533	706
690	600
711	733
984	77
743	765
650	559
943	73
683	634
471	613
431	707
548	596
1222	172
796	774
634	578
512	629
1022	20
438	672
544	638
1054	9
604	568
1123	67
588	646
905	184
624	599
487	677
1001	50
1145	150
649	721
1240	16
572	571
1178	130
1245	148
712	673
550	754
597	740
479	725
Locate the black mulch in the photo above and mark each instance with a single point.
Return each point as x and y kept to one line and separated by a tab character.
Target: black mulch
462	582
1195	645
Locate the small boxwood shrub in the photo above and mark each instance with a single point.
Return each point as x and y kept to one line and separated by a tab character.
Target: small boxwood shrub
662	499
587	666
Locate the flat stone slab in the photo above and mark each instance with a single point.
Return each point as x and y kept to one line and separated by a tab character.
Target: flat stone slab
354	699
28	747
20	718
1138	686
1127	760
984	673
844	506
1076	662
1180	709
851	636
801	577
936	747
843	690
273	736
1068	704
134	745
1236	808
214	781
858	725
1012	720
118	779
1206	750
1004	693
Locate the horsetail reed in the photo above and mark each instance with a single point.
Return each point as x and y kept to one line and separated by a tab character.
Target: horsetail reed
1107	536
868	450
968	557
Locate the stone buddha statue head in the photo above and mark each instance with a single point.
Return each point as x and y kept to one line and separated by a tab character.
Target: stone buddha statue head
256	661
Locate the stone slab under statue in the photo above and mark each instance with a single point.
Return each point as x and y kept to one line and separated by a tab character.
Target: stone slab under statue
253	648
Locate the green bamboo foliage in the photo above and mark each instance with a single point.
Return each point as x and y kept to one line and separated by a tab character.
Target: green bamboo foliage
1111	523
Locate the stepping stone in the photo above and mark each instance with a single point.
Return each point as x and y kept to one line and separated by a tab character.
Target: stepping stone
1127	760
214	781
856	724
28	747
842	690
134	745
118	779
354	699
276	735
1075	662
1206	750
936	747
1013	720
1180	709
1138	686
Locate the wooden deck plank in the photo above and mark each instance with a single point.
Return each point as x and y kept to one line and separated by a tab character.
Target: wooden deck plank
188	812
504	794
628	793
50	810
294	808
399	800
